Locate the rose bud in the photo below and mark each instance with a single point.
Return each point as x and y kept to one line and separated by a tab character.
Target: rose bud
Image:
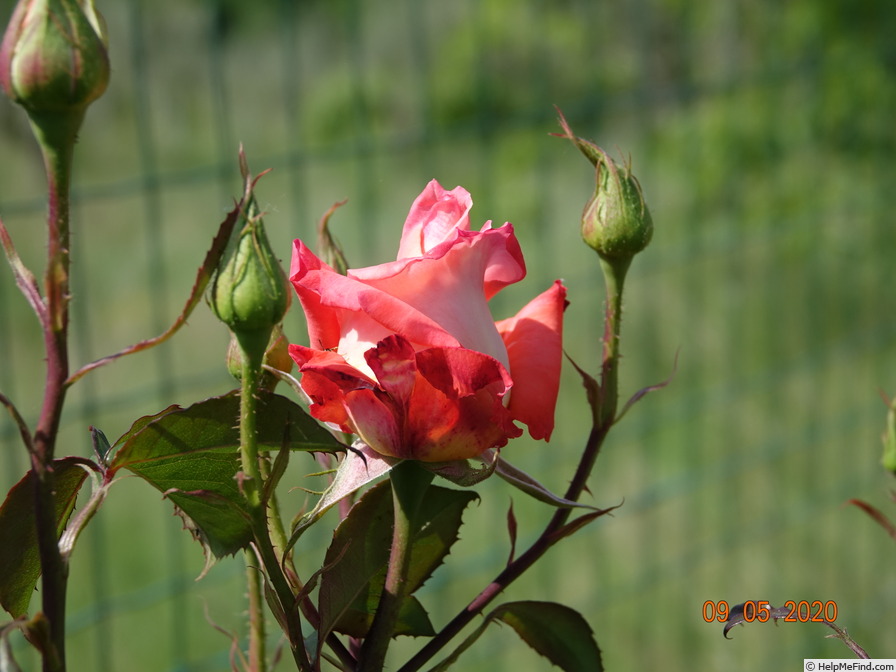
249	291
53	58
616	222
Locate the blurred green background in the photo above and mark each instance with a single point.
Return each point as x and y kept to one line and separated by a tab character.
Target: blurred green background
763	134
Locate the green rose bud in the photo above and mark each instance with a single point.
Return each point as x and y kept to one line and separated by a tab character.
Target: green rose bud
616	222
249	291
53	58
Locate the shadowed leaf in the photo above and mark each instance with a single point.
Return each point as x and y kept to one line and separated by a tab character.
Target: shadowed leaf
360	466
191	455
19	557
356	560
100	443
351	587
557	632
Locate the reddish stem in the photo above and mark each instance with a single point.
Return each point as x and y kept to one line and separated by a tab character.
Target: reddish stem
56	136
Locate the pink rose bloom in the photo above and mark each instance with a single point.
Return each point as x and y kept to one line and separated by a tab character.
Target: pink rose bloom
407	355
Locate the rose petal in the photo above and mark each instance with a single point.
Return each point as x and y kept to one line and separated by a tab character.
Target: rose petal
394	364
433	218
534	340
345	313
323	323
457	411
377	423
326	378
452	284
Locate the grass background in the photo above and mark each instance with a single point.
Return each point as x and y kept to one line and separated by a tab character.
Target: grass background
762	133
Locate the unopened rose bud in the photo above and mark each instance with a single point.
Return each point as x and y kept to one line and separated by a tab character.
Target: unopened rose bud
616	221
53	58
249	292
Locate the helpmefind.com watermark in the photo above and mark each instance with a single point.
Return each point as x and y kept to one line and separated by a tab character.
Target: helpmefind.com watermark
848	665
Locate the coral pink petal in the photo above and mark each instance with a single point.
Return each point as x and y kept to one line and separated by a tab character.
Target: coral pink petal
534	338
451	285
394	363
330	300
304	273
376	423
326	379
457	411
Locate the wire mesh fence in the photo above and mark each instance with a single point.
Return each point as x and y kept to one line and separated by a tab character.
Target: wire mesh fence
762	134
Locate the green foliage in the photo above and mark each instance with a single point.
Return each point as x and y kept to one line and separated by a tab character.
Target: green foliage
191	455
556	631
19	559
357	560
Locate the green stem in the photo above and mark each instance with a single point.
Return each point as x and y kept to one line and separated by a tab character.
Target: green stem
250	376
279	539
409	484
252	490
56	136
257	652
608	398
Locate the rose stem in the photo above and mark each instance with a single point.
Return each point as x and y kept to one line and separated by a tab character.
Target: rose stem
252	488
55	135
409	484
278	533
